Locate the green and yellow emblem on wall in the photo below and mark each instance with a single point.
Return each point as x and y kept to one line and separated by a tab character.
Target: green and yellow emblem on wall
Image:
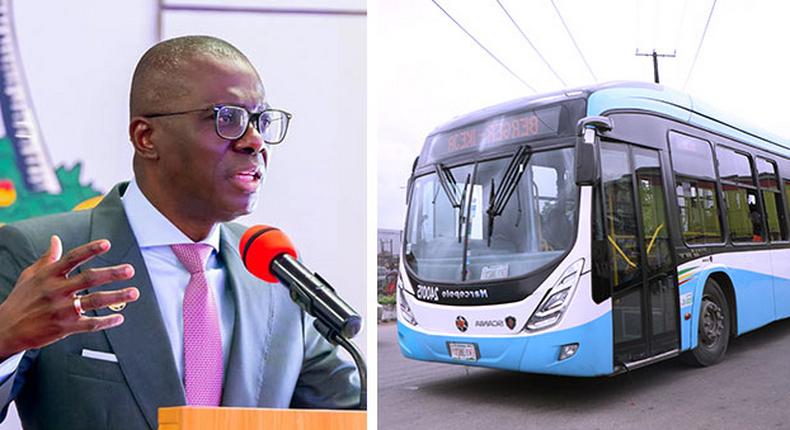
29	183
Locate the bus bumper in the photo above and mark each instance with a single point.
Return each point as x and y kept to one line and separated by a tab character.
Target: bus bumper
537	353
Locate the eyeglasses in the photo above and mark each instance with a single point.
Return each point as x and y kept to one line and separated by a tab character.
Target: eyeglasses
230	122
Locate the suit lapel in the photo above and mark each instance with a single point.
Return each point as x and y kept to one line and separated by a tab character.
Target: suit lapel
141	343
251	334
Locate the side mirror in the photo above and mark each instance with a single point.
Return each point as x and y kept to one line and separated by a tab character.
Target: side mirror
586	166
586	140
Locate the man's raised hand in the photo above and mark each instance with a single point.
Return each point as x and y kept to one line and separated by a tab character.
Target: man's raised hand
41	308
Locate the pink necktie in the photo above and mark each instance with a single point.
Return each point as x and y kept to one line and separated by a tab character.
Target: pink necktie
202	339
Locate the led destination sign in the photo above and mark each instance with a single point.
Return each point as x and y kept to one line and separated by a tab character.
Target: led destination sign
530	125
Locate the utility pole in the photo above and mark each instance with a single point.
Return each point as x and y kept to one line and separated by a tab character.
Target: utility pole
655	56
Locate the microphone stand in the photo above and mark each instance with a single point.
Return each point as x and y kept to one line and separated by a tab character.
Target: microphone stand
336	338
332	319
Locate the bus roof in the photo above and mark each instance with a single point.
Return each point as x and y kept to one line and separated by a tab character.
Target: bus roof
632	95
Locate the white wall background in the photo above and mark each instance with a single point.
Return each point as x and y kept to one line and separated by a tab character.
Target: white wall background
78	58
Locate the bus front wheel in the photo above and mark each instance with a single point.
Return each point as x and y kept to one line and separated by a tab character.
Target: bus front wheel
713	334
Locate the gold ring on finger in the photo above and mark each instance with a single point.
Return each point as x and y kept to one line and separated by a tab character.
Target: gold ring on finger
78	306
117	307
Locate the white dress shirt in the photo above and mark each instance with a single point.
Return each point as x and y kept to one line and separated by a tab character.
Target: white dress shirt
155	234
8	367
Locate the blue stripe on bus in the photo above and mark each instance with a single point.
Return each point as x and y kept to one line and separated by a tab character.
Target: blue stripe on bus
754	299
689	326
535	354
683	108
672	103
782	297
755	294
759	299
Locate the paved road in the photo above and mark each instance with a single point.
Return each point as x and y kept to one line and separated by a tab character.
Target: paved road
749	390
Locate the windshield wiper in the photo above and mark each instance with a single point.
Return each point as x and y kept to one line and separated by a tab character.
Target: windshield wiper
461	216
450	187
448	183
499	198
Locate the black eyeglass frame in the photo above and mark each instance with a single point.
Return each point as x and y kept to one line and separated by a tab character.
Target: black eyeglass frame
252	117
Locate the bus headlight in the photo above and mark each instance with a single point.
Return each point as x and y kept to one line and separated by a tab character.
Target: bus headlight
556	302
405	310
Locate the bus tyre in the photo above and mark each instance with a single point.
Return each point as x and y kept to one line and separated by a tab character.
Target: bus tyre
713	334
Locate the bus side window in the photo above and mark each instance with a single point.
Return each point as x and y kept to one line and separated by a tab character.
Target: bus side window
787	195
744	215
695	186
619	215
768	179
784	176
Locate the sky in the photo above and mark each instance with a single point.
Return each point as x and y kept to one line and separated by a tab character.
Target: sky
429	71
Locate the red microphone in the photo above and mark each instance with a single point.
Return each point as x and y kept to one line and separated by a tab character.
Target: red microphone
259	245
269	254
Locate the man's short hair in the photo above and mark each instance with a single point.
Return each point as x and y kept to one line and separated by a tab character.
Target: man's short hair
156	82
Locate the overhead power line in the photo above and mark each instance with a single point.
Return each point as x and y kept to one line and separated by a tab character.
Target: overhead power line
680	23
530	43
484	48
699	47
568	30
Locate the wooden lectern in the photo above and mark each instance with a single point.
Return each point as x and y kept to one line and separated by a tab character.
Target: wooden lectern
208	418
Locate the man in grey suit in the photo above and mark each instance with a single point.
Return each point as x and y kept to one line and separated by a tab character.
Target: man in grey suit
105	335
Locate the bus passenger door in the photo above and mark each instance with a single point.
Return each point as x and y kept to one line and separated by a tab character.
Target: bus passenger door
642	271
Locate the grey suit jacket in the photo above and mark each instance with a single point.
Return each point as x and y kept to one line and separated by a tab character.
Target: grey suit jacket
277	359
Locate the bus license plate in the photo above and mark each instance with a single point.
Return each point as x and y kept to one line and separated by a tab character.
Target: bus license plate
463	351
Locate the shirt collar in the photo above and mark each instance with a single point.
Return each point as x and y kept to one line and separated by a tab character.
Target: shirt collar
151	228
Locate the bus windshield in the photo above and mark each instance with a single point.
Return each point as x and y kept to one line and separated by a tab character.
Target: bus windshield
509	216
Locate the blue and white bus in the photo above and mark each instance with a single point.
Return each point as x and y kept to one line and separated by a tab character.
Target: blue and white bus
592	231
